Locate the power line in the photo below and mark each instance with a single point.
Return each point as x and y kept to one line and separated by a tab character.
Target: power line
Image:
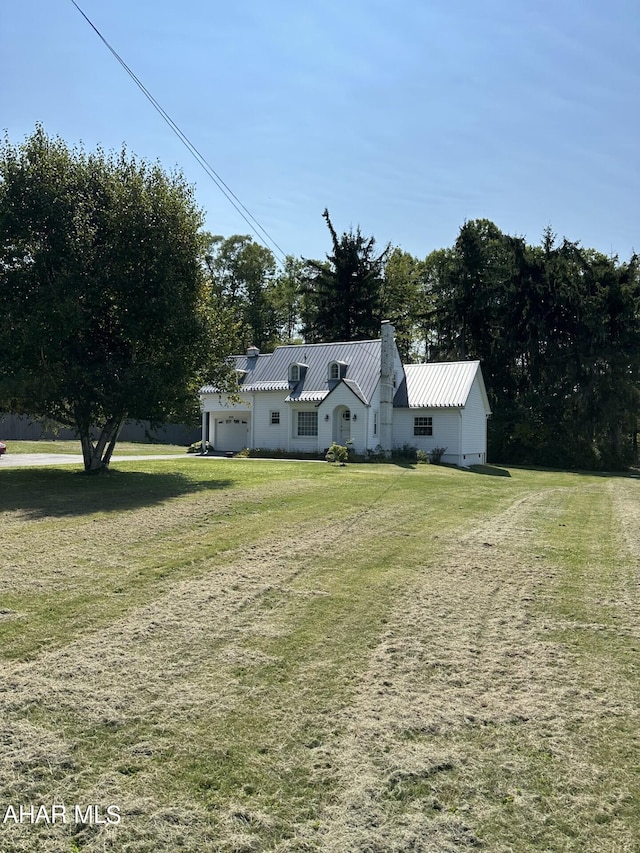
228	193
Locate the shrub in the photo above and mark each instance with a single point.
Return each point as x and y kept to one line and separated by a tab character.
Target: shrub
377	454
196	447
422	457
280	453
436	455
337	453
407	451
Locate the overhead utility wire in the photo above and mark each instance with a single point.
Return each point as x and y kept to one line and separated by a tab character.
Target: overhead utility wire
231	197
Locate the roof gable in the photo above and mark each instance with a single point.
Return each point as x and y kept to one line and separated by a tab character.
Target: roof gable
439	385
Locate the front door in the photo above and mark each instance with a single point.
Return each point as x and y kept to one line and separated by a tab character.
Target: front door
345	427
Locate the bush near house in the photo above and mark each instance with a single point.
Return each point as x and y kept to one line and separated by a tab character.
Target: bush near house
337	453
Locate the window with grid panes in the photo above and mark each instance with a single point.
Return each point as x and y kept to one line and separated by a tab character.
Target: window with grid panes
423	426
307	423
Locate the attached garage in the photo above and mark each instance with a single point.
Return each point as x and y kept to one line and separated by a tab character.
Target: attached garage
231	432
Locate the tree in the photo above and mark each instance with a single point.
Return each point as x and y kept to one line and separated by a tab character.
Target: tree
284	295
242	274
342	299
103	302
557	329
400	298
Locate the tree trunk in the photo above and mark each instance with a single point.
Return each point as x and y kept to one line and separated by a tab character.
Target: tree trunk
98	455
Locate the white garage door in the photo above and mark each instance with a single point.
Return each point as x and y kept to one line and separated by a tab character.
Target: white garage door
232	433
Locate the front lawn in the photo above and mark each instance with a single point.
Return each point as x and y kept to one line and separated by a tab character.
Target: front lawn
123	448
246	655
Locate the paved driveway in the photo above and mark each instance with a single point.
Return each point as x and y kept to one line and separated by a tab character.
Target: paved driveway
21	460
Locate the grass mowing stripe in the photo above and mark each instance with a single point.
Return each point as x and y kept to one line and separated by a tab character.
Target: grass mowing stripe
295	613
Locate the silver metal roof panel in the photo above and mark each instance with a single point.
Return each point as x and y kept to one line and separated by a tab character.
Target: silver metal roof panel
436	385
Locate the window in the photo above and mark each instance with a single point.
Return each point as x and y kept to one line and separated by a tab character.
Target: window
337	370
307	423
423	426
297	371
275	417
375	423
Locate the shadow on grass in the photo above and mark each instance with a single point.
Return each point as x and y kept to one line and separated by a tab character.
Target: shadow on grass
489	470
580	472
53	492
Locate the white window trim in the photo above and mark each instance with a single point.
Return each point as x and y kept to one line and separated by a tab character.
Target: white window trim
296	423
296	371
427	425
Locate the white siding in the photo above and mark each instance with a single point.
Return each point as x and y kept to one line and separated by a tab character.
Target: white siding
474	428
220	403
446	431
342	396
265	434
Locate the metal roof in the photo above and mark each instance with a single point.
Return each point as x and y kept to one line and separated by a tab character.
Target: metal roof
270	372
306	396
437	385
425	386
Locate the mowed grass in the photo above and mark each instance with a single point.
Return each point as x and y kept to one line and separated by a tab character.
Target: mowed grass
245	655
123	448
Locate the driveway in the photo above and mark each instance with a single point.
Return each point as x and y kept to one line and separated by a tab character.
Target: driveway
22	460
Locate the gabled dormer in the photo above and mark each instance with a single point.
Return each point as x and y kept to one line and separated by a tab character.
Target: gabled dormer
337	370
297	371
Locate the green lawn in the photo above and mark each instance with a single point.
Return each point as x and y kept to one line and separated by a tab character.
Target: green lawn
247	655
123	448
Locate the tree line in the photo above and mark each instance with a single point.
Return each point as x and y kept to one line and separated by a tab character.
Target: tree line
116	304
555	326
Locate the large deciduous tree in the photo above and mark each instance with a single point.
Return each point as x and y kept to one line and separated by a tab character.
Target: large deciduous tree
103	305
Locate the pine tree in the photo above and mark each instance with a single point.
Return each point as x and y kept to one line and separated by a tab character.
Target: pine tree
342	300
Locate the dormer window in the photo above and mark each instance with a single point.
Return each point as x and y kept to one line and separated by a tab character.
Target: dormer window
296	371
337	370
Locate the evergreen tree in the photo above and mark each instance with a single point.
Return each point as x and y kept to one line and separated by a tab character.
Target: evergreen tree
557	329
342	300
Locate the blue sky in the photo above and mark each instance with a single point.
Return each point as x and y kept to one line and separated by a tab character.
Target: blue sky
405	117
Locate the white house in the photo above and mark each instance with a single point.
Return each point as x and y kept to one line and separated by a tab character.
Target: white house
304	397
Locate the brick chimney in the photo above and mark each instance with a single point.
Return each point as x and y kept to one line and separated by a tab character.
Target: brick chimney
387	352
